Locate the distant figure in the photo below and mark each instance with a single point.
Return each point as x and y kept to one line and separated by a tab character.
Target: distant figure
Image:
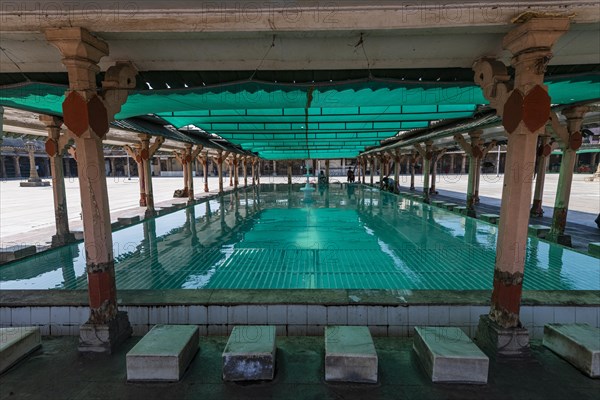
322	178
388	184
350	175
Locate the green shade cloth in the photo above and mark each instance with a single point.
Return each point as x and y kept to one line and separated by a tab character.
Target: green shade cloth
302	121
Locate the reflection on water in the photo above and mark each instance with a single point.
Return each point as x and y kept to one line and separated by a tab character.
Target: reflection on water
348	236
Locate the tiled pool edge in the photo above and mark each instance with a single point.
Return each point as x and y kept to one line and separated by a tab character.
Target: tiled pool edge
300	312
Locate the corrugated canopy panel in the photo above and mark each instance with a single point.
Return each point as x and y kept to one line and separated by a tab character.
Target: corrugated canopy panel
301	121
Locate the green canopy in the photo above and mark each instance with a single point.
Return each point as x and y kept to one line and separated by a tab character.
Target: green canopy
302	121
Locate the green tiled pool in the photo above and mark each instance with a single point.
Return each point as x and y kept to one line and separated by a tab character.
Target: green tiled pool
343	237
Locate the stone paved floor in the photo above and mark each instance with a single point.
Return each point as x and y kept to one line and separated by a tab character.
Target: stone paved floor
58	372
27	214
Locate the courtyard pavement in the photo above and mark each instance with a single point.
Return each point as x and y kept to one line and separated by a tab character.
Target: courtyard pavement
27	214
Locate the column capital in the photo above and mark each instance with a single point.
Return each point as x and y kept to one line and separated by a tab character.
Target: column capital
535	35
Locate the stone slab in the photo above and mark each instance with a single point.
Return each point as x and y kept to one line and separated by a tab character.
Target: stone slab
16	343
350	355
579	344
128	220
12	253
491	218
448	355
594	249
460	209
438	203
34	184
77	234
250	354
449	206
163	354
539	231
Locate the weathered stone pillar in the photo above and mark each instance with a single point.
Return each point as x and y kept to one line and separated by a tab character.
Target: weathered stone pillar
146	153
289	172
544	150
435	158
525	109
473	151
397	160
87	115
204	161
413	163
158	166
569	140
253	171
219	161
463	165
451	167
134	152
33	174
258	171
113	167
372	163
55	147
17	166
230	170
426	168
2	168
235	165
274	168
245	169
327	170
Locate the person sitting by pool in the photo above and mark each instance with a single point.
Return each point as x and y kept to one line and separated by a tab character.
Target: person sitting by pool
350	175
322	178
388	184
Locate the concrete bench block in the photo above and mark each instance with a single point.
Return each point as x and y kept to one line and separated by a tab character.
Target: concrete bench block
78	235
594	249
250	354
115	224
539	231
491	218
350	354
128	220
16	343
163	354
12	253
449	206
460	209
437	203
178	206
579	344
448	355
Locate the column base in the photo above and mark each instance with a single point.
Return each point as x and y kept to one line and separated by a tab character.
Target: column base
499	342
34	183
150	213
61	240
562	239
104	338
536	209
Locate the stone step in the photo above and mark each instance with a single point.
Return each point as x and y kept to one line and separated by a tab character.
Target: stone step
538	231
12	253
491	218
16	343
163	354
438	203
449	206
129	219
579	344
448	355
350	354
594	249
460	209
250	354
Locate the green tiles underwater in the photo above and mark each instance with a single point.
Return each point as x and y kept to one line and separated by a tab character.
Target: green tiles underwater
337	237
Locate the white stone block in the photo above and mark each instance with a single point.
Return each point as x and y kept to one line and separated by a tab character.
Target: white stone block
350	354
579	344
250	354
448	355
163	354
16	343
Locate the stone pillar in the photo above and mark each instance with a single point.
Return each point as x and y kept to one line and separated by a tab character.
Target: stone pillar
189	172
33	174
463	165
258	171
158	166
230	171
17	166
253	163
245	170
219	161
289	172
235	164
413	163
2	168
146	154
569	140
434	162
397	160
543	152
327	170
113	167
87	115
55	147
524	108
451	168
274	168
426	167
372	162
204	162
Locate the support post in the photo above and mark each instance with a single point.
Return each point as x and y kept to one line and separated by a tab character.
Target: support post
289	172
569	139
245	170
55	147
413	163
327	170
543	151
525	108
87	115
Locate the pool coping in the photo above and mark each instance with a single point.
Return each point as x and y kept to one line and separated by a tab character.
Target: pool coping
328	297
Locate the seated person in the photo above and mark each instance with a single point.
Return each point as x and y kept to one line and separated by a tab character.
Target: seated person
388	184
350	175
